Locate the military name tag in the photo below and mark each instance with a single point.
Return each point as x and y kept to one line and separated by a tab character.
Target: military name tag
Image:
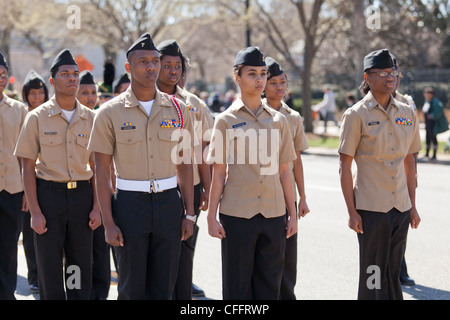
239	125
128	126
373	123
50	133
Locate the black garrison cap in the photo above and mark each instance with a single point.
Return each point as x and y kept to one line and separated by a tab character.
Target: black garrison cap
3	61
34	80
250	56
379	59
145	42
63	58
170	48
123	79
86	77
274	68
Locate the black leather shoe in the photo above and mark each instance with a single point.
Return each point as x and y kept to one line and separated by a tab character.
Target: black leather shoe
197	292
406	280
34	288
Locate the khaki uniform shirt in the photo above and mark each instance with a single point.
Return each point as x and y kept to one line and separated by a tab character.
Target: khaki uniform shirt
12	115
253	153
379	141
59	146
298	134
141	145
203	124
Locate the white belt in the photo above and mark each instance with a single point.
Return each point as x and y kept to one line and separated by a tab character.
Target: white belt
151	186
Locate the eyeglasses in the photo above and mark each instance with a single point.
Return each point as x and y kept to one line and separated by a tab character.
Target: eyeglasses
385	73
4	76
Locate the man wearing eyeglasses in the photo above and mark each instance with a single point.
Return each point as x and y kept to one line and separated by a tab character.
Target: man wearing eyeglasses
381	134
12	115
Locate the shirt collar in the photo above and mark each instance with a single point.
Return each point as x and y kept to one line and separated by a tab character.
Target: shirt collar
238	104
130	100
6	100
56	109
370	101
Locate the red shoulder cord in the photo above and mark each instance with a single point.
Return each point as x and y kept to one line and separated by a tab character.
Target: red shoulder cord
180	114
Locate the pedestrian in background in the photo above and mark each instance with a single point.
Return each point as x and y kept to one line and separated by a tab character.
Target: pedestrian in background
327	107
435	121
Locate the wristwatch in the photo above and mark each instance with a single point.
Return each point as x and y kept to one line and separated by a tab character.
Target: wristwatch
191	218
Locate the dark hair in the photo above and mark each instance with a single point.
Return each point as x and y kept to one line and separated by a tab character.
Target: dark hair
237	69
364	87
26	91
428	90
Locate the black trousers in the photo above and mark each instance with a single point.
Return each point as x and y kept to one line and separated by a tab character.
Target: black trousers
183	286
430	137
68	235
289	278
151	227
10	205
101	265
381	249
253	257
28	247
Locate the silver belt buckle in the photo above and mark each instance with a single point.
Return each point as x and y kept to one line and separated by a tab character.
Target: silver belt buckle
153	187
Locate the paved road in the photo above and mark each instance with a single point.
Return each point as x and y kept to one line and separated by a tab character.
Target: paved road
328	249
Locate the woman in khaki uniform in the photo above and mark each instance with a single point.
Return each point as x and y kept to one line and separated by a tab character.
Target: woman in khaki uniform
250	149
59	187
381	134
139	129
87	93
173	65
274	92
12	114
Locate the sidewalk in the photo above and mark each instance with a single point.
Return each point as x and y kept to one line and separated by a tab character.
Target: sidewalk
333	131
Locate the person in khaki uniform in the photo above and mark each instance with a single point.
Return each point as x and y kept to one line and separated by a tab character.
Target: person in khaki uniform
274	92
59	186
250	150
12	115
34	93
87	93
140	129
405	279
173	65
381	134
101	264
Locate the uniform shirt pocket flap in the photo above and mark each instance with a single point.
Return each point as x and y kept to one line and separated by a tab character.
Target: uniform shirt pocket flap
83	142
165	135
51	140
129	137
